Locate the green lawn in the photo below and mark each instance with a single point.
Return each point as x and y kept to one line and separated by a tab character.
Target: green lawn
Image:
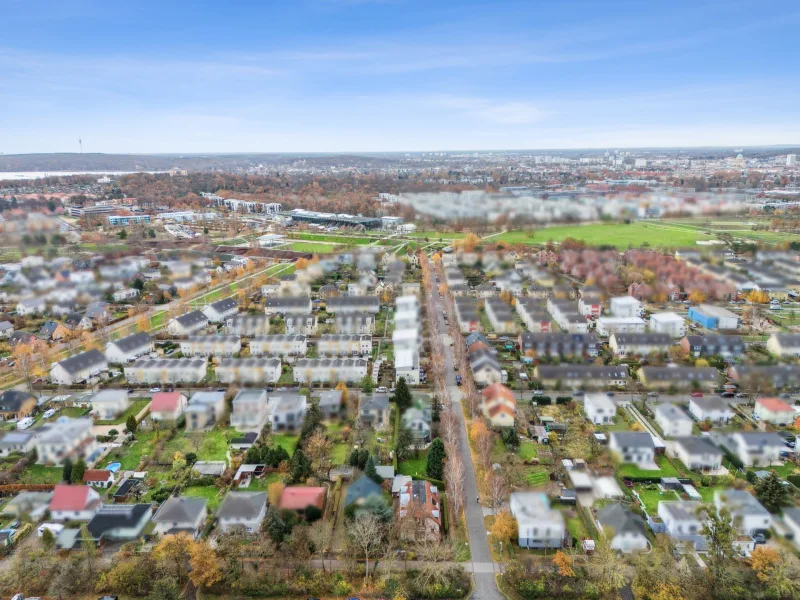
577	528
134	409
436	235
413	466
339	453
73	412
651	498
335	239
666	469
656	234
527	450
286	441
535	476
41	474
210	493
316	248
208	445
782	471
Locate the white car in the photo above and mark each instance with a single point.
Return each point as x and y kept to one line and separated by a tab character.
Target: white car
381	390
25	423
155	390
49	413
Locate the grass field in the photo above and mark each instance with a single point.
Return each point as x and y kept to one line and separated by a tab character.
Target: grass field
316	248
210	493
527	450
651	498
40	474
335	239
666	469
612	234
413	466
134	409
437	235
339	453
284	440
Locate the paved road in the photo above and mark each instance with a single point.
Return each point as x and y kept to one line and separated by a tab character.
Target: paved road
483	568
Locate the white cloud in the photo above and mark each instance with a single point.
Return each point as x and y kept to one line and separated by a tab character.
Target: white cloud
514	112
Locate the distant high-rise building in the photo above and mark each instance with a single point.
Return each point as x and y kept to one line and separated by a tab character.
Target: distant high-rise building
791	160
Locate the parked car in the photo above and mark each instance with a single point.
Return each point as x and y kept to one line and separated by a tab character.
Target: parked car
155	390
697	394
381	390
458	379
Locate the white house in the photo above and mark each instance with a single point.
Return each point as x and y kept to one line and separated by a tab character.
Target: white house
774	411
279	345
683	521
30	306
330	371
167	406
538	525
712	409
670	323
129	348
672	420
406	365
287	305
204	409
784	344
749	517
63	439
639	344
181	514
252	370
249	410
485	368
599	408
211	345
74	503
242	509
125	294
109	404
218	311
342	344
288	412
634	447
696	452
625	306
756	448
355	323
300	324
187	324
247	325
78	368
166	370
607	326
625	530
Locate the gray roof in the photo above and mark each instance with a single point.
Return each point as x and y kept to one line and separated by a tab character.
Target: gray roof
582	372
84	360
671	412
620	519
791	340
181	509
12	400
375	402
361	488
288	403
133	342
6	325
633	439
192	318
242	505
697	444
683	510
225	305
662	339
680	374
330	398
741	502
110	395
760	439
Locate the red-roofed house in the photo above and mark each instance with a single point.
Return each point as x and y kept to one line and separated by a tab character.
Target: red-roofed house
420	511
74	503
774	411
299	498
167	406
99	478
499	405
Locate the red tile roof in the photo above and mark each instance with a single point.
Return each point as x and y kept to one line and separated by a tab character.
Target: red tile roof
95	475
297	498
775	405
165	401
71	497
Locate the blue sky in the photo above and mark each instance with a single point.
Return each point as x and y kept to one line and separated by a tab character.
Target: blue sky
387	75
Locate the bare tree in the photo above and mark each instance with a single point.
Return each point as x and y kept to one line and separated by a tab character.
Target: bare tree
484	444
450	430
454	477
498	490
367	533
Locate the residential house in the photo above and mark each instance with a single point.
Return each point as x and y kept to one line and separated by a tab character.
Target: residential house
31	505
755	448
500	316
6	329
791	519
749	516
782	344
100	478
187	324
729	347
300	324
109	404
166	370
534	315
52	331
16	404
715	410
204	409
63	439
330	403
373	410
331	371
74	503
16	442
467	315
639	344
218	312
419	509
249	410
565	313
125	294
698	453
589	302
625	306
672	420
778	376
774	411
669	323
406	366
78	368
354	323
360	491
582	376
288	305
167	407
485	367
635	447
683	522
289	411
242	510
624	530
129	348
558	344
77	322
607	326
279	345
538	525
599	409
499	405
247	325
31	306
211	345
681	378
353	305
417	420
344	345
299	498
181	514
251	370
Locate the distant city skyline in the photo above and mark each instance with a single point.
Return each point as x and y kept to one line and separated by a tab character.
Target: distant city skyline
361	76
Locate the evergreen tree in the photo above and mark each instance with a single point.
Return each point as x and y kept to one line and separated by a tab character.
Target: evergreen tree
123	235
772	493
436	408
434	464
78	470
371	472
367	385
402	395
312	420
403	444
299	467
275	526
66	471
131	424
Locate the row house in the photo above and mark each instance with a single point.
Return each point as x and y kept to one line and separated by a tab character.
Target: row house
352	305
534	315
565	313
292	285
247	325
685	378
249	370
406	366
580	376
211	345
639	344
467	314
607	326
355	323
729	347
330	371
300	324
344	345
218	311
129	348
288	305
784	344
558	344
166	370
187	324
288	344
78	368
590	303
500	316
777	376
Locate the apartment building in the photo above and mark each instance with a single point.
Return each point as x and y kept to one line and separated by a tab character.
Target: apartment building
247	325
253	370
330	371
355	323
288	344
211	345
344	345
500	316
166	370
